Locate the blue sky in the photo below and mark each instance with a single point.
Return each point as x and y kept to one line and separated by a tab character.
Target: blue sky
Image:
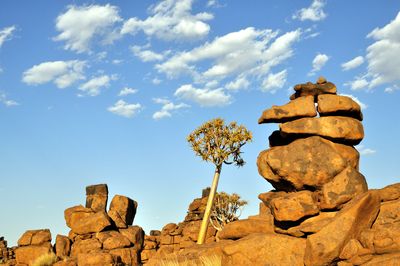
107	91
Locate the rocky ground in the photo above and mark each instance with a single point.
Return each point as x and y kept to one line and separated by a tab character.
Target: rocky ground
320	212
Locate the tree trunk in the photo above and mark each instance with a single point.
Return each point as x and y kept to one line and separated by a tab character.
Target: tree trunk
204	224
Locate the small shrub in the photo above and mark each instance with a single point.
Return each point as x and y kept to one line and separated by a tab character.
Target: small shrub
45	260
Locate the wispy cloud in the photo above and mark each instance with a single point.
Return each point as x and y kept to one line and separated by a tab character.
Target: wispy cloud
167	108
146	55
93	86
204	97
365	151
62	73
273	82
127	91
80	25
353	63
171	20
314	12
318	62
6	34
125	109
7	102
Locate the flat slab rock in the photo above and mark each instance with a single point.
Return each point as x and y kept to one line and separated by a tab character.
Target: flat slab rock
242	228
338	128
313	89
305	163
338	105
298	108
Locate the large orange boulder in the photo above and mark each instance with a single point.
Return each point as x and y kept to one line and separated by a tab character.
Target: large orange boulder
321	87
342	188
305	163
301	107
391	192
63	246
79	212
245	227
122	211
265	249
96	197
35	237
338	128
128	256
26	255
85	246
97	259
113	240
326	245
337	105
89	222
294	206
135	234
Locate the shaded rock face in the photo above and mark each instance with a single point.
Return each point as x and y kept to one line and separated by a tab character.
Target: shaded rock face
122	211
96	197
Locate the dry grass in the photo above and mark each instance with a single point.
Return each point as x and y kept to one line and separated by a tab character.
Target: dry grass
212	260
45	260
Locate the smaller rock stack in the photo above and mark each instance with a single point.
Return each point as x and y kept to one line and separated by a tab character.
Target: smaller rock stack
31	245
177	237
6	254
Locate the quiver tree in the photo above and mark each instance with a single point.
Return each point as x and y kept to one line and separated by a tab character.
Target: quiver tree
226	208
217	143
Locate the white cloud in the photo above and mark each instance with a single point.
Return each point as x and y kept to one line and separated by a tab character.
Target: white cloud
362	105
365	151
156	81
382	66
319	61
7	102
146	55
92	87
117	61
204	97
245	55
239	83
80	26
314	12
167	108
62	73
6	34
127	91
125	109
171	20
392	89
357	84
353	63
274	81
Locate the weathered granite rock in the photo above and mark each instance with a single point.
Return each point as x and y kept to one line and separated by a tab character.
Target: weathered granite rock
313	89
35	237
128	256
113	240
96	197
66	262
63	246
122	211
311	225
391	192
338	128
389	214
242	228
345	186
26	255
299	165
298	108
85	246
259	249
294	206
325	246
89	223
386	260
97	258
79	212
135	234
337	105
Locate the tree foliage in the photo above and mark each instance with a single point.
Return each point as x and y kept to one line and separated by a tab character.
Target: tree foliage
219	143
227	208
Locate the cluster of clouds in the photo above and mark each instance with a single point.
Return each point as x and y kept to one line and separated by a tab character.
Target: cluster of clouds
214	70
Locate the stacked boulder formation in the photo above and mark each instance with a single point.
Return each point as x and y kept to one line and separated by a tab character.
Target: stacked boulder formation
6	254
178	237
96	237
